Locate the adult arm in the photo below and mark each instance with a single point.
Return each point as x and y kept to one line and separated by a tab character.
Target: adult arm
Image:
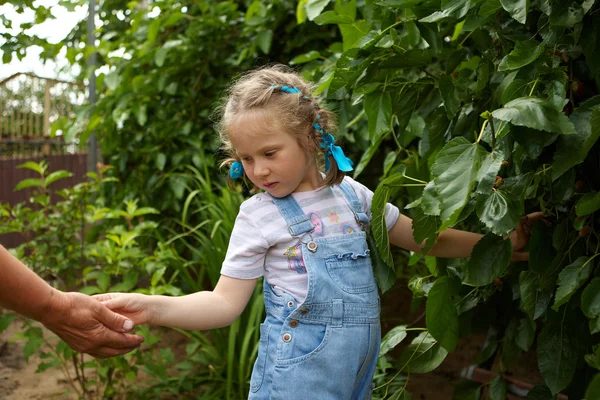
202	310
454	243
83	323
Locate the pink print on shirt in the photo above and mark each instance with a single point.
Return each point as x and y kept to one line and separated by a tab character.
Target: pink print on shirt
295	260
319	228
333	217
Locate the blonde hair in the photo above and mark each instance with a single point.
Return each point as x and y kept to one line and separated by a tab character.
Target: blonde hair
297	112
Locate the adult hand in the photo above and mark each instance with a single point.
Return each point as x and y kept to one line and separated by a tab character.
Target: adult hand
520	236
88	326
132	305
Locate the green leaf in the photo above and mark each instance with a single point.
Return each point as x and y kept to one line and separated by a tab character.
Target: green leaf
528	286
436	126
450	95
524	53
304	58
566	14
541	250
518	9
384	274
489	7
525	334
442	318
314	8
332	17
5	321
378	107
141	114
593	390
422	355
489	260
573	149
56	175
533	141
498	388
517	88
392	339
535	113
467	390
590	304
557	354
571	278
35	338
540	392
264	40
29	182
454	171
301	11
425	228
430	204
378	226
500	211
161	160
37	167
486	176
588	203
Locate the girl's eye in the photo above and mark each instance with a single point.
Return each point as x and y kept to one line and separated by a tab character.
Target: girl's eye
246	159
270	153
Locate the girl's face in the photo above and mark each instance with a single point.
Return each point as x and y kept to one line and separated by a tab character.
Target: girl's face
272	158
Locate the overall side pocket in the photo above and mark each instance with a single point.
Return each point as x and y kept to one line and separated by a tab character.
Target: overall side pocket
258	372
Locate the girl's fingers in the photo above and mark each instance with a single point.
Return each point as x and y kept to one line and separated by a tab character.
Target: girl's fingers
529	219
115	303
102	297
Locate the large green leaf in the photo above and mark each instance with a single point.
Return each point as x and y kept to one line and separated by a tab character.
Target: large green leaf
571	278
451	95
378	107
378	225
535	113
588	203
384	274
489	260
57	175
452	8
524	53
29	182
572	149
422	355
430	204
454	172
441	315
425	228
518	9
392	339
532	140
314	8
500	211
467	390
557	354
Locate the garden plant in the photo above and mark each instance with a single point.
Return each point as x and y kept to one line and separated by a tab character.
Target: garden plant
464	113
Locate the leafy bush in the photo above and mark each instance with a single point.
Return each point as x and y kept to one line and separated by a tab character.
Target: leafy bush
483	111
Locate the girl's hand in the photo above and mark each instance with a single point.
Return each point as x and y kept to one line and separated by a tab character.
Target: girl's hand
131	305
520	236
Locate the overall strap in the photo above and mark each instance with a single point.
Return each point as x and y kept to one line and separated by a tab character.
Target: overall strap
298	223
352	199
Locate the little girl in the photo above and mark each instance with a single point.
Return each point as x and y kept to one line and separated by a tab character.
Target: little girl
304	231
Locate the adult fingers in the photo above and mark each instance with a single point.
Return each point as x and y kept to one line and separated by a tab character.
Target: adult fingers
103	296
119	340
112	320
115	303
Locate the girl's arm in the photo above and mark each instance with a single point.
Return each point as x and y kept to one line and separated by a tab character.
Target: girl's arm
453	243
198	311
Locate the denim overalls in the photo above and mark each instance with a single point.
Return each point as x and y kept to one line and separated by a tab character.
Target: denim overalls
327	348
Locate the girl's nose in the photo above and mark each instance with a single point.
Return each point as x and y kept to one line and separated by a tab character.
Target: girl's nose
260	170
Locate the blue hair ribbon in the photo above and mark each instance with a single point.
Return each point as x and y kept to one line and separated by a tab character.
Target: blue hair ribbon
343	162
237	170
327	142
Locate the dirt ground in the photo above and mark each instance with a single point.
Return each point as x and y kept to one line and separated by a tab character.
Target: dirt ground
18	380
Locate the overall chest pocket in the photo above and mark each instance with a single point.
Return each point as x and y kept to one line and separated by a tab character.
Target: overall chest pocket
352	272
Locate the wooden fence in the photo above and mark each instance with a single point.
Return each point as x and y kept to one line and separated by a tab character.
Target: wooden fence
29	105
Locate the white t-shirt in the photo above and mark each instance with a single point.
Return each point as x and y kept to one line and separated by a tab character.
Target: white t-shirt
261	243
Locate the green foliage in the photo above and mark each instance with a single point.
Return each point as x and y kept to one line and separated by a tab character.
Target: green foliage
493	107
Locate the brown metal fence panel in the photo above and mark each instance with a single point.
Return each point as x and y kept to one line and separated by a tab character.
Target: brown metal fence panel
10	176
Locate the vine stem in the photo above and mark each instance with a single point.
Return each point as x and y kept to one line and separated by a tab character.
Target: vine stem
485	122
533	87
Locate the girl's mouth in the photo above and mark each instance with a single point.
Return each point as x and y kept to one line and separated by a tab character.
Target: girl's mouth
270	185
